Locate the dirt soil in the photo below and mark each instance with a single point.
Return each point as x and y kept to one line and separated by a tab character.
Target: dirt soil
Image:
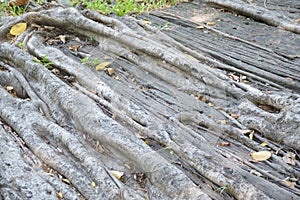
166	105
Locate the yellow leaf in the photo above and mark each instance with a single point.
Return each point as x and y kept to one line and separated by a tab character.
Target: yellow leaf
18	28
59	195
264	144
261	155
211	23
101	66
117	174
200	27
93	184
251	135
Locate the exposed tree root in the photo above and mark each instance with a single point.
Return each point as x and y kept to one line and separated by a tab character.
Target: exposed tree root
258	13
98	123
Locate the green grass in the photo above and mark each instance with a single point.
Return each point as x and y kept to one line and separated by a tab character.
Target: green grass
123	7
5	9
119	7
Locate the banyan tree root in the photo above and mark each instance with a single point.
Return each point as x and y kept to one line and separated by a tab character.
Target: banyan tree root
259	13
62	148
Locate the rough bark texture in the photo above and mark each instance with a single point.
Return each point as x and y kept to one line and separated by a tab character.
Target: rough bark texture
170	111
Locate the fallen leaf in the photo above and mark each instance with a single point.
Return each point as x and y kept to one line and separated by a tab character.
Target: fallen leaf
201	98
251	135
65	180
290	183
147	142
246	131
110	71
63	38
75	48
9	88
211	23
234	116
101	66
264	144
93	184
147	22
223	122
117	174
18	28
224	144
200	27
211	104
256	173
18	2
261	155
289	158
59	195
116	77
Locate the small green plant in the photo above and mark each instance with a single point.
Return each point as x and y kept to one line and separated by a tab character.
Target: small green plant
225	188
164	26
20	44
84	59
44	60
17	10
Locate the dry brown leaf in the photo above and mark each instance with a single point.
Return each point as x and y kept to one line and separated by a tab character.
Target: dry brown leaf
235	116
289	158
201	98
261	155
147	142
224	144
290	183
74	48
63	38
18	2
110	71
18	28
103	65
